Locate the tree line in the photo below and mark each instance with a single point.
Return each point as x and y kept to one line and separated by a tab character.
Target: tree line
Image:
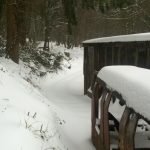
36	19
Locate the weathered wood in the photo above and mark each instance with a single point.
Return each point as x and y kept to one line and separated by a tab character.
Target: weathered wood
104	94
85	71
106	121
123	127
148	58
94	112
136	57
119	56
98	55
130	132
106	56
112	56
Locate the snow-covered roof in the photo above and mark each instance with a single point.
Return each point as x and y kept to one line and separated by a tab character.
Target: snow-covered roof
121	38
133	83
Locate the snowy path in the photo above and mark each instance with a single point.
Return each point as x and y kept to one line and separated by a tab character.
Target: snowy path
66	92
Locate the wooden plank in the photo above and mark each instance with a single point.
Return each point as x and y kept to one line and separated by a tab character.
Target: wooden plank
148	58
90	65
123	127
126	56
119	56
85	69
106	56
130	132
106	122
112	56
136	57
94	112
104	94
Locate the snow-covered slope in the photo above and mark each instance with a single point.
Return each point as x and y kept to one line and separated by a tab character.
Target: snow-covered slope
30	121
27	121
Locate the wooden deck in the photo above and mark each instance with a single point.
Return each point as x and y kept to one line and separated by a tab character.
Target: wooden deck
127	136
99	54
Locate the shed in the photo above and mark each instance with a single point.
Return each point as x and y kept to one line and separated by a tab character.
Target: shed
133	49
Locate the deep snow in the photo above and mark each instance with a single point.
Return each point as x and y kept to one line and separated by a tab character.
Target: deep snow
56	115
131	83
31	121
66	93
27	119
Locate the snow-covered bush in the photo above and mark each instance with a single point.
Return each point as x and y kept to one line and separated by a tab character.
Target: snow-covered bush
41	61
2	46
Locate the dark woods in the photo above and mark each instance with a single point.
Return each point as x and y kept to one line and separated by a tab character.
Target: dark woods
65	21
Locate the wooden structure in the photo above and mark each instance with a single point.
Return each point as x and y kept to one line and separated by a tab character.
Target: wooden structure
118	50
103	137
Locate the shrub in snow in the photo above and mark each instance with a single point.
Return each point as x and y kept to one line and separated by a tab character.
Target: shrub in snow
2	46
41	61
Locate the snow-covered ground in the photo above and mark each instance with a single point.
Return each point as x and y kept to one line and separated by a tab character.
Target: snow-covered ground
27	121
55	117
66	92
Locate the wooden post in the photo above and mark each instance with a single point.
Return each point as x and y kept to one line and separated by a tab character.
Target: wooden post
104	94
130	133
85	69
123	127
106	122
94	112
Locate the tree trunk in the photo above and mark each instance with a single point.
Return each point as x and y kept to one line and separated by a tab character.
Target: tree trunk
21	12
12	47
46	41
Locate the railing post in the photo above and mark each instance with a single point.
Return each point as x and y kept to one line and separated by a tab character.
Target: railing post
123	127
94	112
102	116
131	129
106	122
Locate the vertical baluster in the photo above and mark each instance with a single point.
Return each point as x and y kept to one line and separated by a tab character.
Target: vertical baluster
102	116
123	127
106	122
130	134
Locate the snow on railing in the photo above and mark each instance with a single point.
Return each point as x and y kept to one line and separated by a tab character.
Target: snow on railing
133	83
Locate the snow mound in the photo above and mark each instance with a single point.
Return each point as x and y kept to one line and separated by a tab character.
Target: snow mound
132	83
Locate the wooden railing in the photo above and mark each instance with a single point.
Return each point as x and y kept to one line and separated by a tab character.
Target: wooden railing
123	134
